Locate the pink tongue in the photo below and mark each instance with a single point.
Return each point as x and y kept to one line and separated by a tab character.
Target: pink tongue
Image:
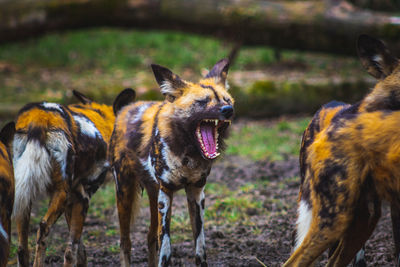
207	133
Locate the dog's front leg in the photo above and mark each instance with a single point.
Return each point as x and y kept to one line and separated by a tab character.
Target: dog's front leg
395	214
164	220
195	198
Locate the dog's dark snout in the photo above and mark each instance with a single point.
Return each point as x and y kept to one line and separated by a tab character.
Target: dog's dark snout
226	111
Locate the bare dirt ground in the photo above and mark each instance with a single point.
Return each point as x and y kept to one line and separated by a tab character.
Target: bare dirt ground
227	245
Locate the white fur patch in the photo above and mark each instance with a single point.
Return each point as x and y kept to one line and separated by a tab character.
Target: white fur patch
87	127
303	222
377	58
227	85
166	88
200	241
52	106
165	152
360	255
138	116
58	145
165	249
3	232
166	242
148	167
31	170
166	175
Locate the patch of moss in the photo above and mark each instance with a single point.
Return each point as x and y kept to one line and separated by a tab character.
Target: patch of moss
391	31
269	98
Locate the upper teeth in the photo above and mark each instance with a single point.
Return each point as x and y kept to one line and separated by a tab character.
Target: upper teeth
216	134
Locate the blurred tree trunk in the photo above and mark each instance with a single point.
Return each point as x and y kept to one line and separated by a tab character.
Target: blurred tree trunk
327	26
383	5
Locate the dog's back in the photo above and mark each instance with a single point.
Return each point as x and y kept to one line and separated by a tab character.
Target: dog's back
6	192
61	151
43	145
349	164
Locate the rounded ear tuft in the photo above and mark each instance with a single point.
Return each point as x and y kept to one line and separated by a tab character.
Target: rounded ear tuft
124	98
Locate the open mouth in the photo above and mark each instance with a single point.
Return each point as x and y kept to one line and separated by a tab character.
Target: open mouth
207	136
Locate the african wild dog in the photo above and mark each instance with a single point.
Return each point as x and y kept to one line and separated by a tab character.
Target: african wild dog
6	191
60	151
165	146
350	162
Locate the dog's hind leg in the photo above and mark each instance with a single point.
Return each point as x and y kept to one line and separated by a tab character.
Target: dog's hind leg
195	199
322	233
75	254
164	220
23	232
316	241
128	205
366	216
56	208
152	236
395	214
81	260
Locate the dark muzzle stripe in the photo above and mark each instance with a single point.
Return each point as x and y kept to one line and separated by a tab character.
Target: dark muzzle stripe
212	89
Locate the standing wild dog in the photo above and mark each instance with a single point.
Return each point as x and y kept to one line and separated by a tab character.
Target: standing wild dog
60	151
6	191
166	146
350	162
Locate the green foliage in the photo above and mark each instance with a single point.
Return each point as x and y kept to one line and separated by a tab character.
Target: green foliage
113	248
273	141
101	62
231	205
104	199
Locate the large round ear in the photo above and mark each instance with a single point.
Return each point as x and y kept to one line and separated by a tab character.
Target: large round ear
81	97
375	57
124	98
7	133
220	72
171	85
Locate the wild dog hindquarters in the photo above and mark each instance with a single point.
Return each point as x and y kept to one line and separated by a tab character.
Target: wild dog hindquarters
166	146
7	191
59	151
349	164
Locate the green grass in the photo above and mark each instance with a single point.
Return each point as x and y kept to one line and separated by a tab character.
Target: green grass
273	141
101	62
231	205
104	199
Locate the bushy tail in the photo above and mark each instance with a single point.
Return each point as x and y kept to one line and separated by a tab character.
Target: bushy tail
4	246
137	196
32	167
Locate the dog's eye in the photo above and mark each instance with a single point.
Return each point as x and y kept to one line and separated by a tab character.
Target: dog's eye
203	102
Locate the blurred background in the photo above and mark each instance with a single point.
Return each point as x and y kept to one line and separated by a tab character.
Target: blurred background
288	58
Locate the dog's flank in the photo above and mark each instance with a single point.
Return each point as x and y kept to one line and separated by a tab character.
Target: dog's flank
61	152
349	163
6	191
166	146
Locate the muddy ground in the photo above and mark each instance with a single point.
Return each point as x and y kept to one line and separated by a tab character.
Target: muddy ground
227	245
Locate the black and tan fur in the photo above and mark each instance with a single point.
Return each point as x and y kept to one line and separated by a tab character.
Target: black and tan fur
6	191
158	146
60	151
350	163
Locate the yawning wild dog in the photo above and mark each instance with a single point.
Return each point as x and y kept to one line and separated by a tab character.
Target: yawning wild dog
166	146
350	162
60	151
6	191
